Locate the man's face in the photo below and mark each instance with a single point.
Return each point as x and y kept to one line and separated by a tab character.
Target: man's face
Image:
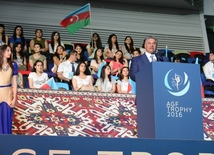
150	45
73	57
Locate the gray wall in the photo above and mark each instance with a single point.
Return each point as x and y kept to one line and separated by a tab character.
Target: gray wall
177	31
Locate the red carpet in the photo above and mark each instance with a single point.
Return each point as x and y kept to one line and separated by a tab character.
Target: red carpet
53	113
208	113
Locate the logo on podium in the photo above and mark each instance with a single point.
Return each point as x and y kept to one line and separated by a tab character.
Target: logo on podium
176	84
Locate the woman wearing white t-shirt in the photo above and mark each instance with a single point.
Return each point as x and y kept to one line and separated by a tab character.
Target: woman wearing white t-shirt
38	77
123	85
82	79
97	61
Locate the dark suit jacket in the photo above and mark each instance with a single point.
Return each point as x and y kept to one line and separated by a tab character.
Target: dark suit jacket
140	61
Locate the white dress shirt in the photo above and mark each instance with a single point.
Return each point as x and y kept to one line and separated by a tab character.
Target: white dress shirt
150	58
209	70
66	69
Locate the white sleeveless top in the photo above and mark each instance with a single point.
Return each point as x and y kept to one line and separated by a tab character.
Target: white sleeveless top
81	82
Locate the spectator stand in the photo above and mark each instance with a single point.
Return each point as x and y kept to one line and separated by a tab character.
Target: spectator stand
169	53
83	45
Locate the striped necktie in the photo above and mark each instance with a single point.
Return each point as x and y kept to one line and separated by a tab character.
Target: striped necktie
73	68
152	58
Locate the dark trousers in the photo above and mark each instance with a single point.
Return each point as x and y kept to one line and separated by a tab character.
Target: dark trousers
69	84
209	87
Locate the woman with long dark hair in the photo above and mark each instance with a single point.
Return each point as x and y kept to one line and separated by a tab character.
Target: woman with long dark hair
38	77
123	85
3	36
97	61
118	63
55	42
105	83
19	57
8	89
80	54
59	57
82	79
128	48
18	36
94	45
111	46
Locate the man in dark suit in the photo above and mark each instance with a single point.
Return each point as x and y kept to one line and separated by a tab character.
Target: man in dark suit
146	58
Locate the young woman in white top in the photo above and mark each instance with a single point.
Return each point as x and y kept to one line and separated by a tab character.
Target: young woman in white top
97	61
38	77
105	83
123	85
111	47
55	41
94	45
82	79
3	36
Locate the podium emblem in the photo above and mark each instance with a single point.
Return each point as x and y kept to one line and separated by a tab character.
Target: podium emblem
176	84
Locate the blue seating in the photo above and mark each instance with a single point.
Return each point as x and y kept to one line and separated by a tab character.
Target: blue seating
193	61
51	74
184	57
62	85
68	47
50	66
169	54
164	50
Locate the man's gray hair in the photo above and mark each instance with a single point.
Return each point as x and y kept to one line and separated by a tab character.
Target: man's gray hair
151	37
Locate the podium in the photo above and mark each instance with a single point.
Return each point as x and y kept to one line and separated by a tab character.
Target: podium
169	103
